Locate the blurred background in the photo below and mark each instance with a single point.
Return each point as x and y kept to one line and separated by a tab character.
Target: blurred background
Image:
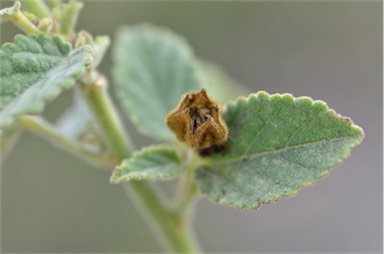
51	202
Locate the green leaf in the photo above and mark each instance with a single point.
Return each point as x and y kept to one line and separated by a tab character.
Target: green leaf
277	145
153	68
34	70
76	120
218	83
77	124
150	163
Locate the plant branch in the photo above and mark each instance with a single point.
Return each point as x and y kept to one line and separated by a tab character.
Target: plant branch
42	128
170	227
94	89
171	230
69	15
18	18
53	3
37	7
186	187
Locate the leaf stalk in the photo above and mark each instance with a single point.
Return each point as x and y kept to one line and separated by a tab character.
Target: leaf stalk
37	7
19	19
42	128
94	89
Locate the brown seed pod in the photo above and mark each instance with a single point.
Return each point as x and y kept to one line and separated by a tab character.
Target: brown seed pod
197	121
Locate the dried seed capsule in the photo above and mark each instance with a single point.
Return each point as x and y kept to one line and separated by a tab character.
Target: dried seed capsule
197	121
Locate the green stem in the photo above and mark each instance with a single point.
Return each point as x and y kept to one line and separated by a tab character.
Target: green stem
171	228
69	16
19	19
37	7
186	188
110	126
45	130
24	24
53	3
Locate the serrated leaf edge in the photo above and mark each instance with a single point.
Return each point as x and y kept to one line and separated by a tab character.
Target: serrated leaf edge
289	194
116	174
182	44
264	94
260	94
346	154
68	83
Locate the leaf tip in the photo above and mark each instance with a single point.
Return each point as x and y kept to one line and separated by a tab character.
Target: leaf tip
261	94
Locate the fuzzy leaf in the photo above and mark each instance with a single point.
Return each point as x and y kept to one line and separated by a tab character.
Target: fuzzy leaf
218	83
277	145
76	120
77	124
34	70
151	163
153	68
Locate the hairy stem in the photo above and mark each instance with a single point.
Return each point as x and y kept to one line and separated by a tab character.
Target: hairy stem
14	15
24	24
186	188
42	128
53	3
95	93
37	7
69	16
171	229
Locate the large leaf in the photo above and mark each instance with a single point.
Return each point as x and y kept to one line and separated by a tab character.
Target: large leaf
34	70
218	83
151	163
277	145
153	68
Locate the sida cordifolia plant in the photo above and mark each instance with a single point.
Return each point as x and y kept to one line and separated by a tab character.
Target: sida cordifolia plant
241	153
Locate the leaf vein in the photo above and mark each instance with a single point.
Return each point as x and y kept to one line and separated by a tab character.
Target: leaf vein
287	148
310	118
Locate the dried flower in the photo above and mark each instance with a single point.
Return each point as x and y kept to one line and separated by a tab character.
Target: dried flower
197	121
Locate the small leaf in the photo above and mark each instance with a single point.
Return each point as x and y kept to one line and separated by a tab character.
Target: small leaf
151	163
77	124
34	70
76	120
277	145
153	68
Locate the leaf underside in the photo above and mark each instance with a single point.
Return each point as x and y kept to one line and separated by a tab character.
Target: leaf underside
277	145
76	120
34	70
153	68
150	163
